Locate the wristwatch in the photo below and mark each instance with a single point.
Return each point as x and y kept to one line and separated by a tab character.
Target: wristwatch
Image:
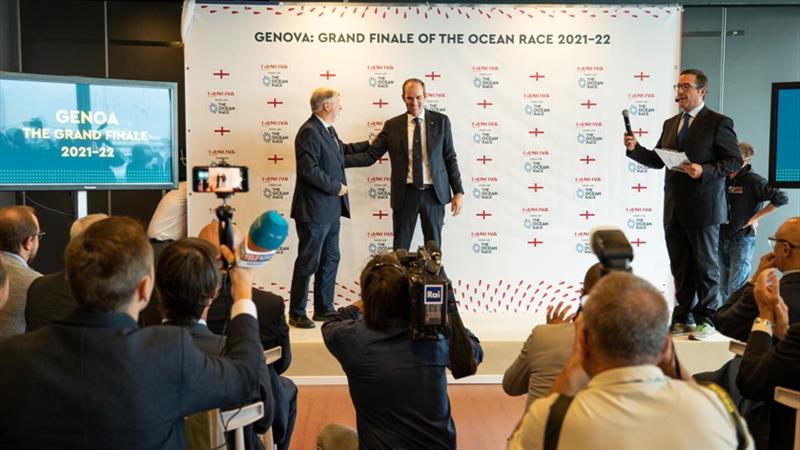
761	324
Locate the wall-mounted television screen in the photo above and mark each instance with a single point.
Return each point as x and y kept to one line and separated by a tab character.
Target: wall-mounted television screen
784	136
76	133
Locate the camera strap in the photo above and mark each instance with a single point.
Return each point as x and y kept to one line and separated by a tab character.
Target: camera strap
552	430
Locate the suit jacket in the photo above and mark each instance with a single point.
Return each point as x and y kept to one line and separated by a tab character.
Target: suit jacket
20	277
213	344
736	316
763	368
711	142
98	381
49	300
320	174
272	327
441	156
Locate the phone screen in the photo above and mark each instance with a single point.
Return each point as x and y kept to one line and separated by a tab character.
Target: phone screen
222	179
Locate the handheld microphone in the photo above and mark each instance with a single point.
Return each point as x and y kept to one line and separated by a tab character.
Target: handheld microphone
626	117
265	236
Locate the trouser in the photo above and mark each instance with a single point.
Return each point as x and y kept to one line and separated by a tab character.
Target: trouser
317	255
735	257
693	261
423	203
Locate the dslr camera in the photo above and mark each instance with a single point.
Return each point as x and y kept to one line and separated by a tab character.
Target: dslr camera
612	249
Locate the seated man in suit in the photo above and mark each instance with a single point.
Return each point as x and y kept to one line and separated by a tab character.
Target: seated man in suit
766	366
736	316
547	349
188	281
19	243
98	381
49	297
273	331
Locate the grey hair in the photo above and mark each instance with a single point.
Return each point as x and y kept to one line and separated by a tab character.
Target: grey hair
627	318
320	96
80	225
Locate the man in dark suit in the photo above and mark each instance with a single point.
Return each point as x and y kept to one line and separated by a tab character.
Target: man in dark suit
49	297
320	199
737	314
694	199
273	332
188	281
765	366
424	167
98	381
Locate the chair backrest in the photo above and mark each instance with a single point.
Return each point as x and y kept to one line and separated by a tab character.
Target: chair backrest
207	429
791	399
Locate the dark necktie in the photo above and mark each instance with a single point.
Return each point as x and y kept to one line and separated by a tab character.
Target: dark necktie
416	155
684	128
335	137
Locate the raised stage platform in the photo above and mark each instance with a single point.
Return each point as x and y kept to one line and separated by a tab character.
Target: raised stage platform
501	338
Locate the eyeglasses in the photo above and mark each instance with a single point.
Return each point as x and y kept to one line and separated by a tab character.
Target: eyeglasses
684	86
41	235
773	240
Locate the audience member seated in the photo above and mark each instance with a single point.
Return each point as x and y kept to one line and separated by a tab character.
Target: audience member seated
49	297
546	350
96	380
736	316
188	281
613	392
273	331
19	242
398	386
765	366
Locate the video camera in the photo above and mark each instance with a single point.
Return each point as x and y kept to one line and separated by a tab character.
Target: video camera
612	249
430	292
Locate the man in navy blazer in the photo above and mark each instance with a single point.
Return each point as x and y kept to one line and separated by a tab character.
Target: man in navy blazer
97	380
694	199
424	167
320	199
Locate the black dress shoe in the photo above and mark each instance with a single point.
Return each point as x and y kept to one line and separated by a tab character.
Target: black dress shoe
301	322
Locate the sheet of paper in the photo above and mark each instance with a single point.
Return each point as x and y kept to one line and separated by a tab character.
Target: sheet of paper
672	158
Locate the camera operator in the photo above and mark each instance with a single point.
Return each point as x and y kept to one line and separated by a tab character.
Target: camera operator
398	385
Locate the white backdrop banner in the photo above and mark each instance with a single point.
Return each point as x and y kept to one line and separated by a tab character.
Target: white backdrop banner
534	94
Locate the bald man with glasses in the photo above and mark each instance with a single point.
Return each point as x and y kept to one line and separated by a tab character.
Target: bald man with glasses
736	316
694	200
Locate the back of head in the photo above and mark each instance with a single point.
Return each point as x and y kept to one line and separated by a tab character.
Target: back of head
746	150
320	96
384	290
106	263
188	278
80	225
17	223
627	319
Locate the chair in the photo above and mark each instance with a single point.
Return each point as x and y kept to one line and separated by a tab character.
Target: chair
207	429
791	399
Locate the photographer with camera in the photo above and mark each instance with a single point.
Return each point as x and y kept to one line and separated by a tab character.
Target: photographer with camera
398	384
